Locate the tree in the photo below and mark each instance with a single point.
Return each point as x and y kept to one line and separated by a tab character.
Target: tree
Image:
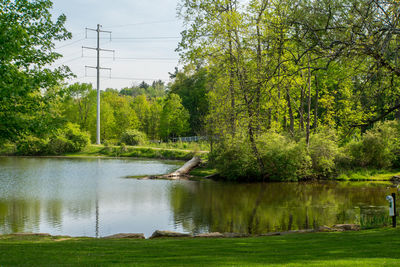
174	118
191	86
27	35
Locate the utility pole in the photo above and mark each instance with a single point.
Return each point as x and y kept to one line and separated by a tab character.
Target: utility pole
98	68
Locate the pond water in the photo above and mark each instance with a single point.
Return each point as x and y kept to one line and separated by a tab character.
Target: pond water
93	197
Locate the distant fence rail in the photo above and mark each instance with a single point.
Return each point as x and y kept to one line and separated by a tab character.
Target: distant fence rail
185	139
189	139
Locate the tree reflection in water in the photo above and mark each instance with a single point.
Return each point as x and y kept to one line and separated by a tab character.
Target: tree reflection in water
260	208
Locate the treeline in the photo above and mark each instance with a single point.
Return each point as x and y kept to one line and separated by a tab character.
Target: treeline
290	84
147	109
284	90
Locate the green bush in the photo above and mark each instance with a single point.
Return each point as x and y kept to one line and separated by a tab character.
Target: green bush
283	158
68	140
31	146
324	151
378	147
233	159
133	138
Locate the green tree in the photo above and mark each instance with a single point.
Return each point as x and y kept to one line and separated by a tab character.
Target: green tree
174	118
191	86
27	36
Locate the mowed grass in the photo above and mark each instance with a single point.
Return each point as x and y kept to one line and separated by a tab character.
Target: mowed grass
365	248
368	175
134	151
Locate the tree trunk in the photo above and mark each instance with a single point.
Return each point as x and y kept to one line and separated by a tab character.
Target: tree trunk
316	104
291	118
308	104
182	171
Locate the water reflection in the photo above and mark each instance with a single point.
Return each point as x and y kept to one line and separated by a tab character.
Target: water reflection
78	197
90	197
261	208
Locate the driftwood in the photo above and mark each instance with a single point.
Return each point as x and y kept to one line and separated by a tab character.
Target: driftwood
182	171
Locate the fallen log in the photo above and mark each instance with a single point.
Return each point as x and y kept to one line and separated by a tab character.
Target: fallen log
182	172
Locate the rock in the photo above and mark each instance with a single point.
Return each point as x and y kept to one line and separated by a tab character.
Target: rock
325	229
271	234
235	235
121	235
395	178
347	227
31	234
304	231
158	234
210	235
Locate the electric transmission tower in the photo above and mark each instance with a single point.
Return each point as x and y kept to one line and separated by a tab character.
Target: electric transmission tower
98	68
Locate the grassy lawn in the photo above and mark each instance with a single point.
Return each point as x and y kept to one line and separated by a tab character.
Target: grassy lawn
365	248
368	175
135	151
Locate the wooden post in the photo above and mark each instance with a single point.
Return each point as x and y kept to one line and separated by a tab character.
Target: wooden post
393	191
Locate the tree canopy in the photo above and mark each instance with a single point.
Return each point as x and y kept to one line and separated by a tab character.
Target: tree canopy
27	84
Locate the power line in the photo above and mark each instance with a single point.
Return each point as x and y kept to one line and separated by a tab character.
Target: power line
141	23
69	44
139	58
129	78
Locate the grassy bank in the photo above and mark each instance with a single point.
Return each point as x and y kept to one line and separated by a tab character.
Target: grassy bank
135	151
365	248
368	175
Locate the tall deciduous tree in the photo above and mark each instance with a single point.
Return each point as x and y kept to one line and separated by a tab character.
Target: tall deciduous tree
27	35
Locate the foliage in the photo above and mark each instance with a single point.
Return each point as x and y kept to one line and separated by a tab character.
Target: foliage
32	146
67	139
174	118
284	159
28	87
324	152
133	138
191	86
379	146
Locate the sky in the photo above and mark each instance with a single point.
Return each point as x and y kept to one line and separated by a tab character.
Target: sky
145	34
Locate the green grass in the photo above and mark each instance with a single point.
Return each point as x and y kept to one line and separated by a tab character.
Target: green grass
203	171
368	175
365	248
133	151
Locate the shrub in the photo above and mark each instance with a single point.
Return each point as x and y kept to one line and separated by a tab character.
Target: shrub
234	160
133	138
283	158
31	146
67	140
324	152
378	147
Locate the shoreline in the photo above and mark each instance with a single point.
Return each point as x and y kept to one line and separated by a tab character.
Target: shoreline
316	249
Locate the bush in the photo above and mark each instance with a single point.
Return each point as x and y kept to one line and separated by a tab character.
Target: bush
31	146
283	158
378	147
234	160
68	140
133	138
324	151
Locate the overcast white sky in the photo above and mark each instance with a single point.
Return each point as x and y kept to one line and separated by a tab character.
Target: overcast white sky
145	34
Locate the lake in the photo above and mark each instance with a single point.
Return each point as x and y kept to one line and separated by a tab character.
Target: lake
92	197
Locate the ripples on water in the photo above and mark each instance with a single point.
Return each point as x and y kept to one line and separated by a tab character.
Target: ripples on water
91	197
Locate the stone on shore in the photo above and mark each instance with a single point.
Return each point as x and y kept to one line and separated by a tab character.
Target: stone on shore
235	235
210	235
122	235
347	227
160	234
31	234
